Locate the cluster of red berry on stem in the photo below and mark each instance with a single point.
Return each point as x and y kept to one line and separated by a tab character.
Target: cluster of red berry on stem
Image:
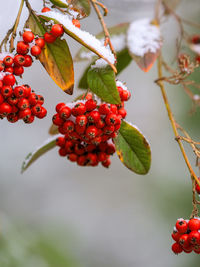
187	236
88	128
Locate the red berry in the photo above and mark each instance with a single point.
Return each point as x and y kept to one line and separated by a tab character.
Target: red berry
40	100
111	119
62	152
176	235
194	237
96	141
106	163
2	65
69	126
125	95
5	109
82	161
108	129
28	36
35	50
57	30
72	157
92	159
49	38
181	226
22	48
183	240
94	116
176	248
27	61
81	120
110	149
36	109
194	224
79	149
104	109
12	100
91	132
27	90
59	106
100	123
64	112
42	113
6	91
122	112
102	156
45	9
9	79
113	108
90	105
1	99
76	23
23	104
40	42
25	114
19	60
18	71
8	61
57	120
69	146
60	141
33	99
8	69
90	148
29	120
78	109
12	118
195	39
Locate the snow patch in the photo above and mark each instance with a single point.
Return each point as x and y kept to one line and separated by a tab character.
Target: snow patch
122	85
143	37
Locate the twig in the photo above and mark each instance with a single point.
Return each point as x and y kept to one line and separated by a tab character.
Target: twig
194	201
15	26
105	29
172	120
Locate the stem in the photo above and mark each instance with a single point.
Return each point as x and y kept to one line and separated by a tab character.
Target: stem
105	29
15	26
173	122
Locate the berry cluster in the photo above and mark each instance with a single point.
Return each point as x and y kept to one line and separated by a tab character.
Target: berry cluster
20	103
187	236
87	123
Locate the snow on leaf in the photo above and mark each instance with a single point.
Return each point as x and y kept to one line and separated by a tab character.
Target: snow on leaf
144	42
83	37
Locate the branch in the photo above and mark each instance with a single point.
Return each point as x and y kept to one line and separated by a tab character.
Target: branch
105	29
172	120
15	26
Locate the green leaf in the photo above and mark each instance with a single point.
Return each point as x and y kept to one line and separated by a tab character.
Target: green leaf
80	36
123	60
102	82
133	149
56	57
33	156
120	29
81	6
59	3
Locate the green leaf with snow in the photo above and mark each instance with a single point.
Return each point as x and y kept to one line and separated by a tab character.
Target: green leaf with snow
83	7
84	38
133	149
59	3
118	39
33	156
123	60
144	42
102	82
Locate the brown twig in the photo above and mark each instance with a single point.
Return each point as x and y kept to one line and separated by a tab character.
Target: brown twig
105	29
172	120
15	26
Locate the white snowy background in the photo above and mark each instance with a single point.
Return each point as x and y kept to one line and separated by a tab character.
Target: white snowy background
116	218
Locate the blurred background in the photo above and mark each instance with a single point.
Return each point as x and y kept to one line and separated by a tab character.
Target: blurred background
58	214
